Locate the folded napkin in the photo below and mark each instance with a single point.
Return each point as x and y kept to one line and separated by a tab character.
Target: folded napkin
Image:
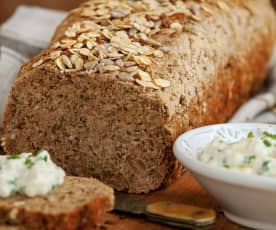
22	36
30	29
261	108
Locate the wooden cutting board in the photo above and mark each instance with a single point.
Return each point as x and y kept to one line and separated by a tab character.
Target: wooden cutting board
185	190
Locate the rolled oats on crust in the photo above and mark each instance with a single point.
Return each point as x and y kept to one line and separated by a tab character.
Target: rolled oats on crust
127	34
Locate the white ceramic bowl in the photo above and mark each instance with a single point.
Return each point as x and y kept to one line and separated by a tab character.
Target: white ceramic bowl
249	200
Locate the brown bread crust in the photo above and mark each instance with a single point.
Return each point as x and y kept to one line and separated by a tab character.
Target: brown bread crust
77	204
122	133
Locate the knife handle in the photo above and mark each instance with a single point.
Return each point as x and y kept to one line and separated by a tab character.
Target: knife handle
181	215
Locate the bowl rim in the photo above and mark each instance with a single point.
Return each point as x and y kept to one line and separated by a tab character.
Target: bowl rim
218	173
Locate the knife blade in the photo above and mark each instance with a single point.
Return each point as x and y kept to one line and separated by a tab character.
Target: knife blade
169	213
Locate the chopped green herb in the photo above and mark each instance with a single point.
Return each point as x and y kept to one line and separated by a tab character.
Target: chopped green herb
54	186
265	166
39	151
13	156
250	135
267	143
12	182
45	158
226	166
249	159
28	162
267	134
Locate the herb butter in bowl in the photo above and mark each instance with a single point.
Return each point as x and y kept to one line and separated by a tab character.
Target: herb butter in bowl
254	154
29	174
236	163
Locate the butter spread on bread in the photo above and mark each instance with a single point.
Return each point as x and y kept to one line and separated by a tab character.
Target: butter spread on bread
29	174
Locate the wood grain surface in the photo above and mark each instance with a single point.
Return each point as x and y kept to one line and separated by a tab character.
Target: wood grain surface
185	190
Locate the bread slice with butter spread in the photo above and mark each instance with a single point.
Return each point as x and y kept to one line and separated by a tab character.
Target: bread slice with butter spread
76	204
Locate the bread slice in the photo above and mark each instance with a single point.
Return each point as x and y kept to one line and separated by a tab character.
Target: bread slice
6	227
77	204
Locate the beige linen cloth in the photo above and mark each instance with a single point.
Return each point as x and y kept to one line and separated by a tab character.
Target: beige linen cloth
22	36
30	29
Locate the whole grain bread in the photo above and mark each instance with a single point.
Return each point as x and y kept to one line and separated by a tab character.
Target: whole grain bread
123	78
7	227
77	204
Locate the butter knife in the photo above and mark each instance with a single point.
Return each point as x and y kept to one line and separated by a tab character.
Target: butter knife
169	213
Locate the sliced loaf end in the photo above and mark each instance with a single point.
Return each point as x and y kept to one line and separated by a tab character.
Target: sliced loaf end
79	203
92	126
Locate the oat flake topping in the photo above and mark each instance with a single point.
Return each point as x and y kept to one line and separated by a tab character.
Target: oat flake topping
119	36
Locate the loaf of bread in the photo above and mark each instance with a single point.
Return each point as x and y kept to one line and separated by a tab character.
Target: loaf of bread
123	78
79	203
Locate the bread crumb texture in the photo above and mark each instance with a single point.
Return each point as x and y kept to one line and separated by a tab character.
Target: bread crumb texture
77	204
